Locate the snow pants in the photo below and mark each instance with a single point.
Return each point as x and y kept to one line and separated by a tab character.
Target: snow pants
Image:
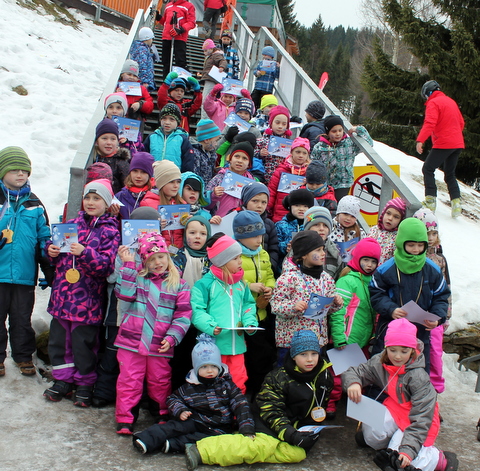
436	362
134	370
449	159
237	369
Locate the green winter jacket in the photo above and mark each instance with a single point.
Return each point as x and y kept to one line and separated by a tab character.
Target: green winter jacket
215	304
354	322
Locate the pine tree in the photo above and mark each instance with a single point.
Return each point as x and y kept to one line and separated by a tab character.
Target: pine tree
289	17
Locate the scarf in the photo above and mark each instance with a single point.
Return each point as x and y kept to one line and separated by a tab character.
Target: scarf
193	268
218	273
320	191
314	272
250	253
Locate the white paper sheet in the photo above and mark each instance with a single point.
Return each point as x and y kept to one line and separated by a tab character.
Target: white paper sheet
368	411
351	355
226	226
416	314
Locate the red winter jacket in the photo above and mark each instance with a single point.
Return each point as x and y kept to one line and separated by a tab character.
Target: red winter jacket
215	4
443	122
186	18
147	106
275	207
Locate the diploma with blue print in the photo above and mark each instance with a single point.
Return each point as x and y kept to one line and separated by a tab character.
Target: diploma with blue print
127	128
268	66
345	249
182	73
233	183
289	182
176	215
279	146
64	235
130	88
318	306
134	229
232	86
234	120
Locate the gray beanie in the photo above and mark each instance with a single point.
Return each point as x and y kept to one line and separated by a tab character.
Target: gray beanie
316	173
349	205
130	67
317	214
206	353
315	109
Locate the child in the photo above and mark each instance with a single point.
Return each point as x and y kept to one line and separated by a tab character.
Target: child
314	128
141	52
230	53
385	231
213	57
169	142
296	203
266	104
265	77
23	232
209	403
248	230
279	123
222	301
240	159
211	14
435	254
137	183
354	322
192	190
173	91
345	224
138	106
78	296
337	151
204	153
316	181
409	276
109	152
156	321
255	197
412	419
303	277
296	164
295	394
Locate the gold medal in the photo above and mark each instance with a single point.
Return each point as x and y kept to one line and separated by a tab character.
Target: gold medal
318	414
72	275
8	234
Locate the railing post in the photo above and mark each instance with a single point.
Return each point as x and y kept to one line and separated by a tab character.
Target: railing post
99	10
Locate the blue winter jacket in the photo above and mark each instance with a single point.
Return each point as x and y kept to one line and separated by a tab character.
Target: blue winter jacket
285	229
143	55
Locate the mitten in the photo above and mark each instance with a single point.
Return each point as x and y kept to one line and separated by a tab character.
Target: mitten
171	76
217	88
245	93
194	83
296	119
304	439
231	133
173	33
42	282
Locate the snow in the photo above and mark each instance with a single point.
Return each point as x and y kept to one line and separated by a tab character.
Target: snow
64	71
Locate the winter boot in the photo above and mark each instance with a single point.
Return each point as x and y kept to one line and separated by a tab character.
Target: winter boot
456	207
192	456
83	396
124	428
27	368
58	391
447	461
430	203
139	445
2	369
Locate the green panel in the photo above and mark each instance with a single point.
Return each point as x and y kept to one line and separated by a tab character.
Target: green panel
260	2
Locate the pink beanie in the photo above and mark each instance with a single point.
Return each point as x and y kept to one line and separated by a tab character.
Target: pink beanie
223	250
367	247
401	333
102	187
208	44
150	244
395	203
275	111
300	142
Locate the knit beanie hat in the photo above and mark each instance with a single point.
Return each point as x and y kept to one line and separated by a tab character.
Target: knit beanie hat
304	341
145	213
349	205
206	352
410	230
247	224
171	110
206	129
14	158
331	121
99	170
401	333
269	51
306	241
268	100
315	109
145	34
397	204
300	142
316	173
367	247
165	171
118	97
244	148
101	187
227	33
300	196
130	67
246	136
106	126
223	250
208	44
251	190
245	104
275	111
428	218
142	161
177	83
150	244
317	214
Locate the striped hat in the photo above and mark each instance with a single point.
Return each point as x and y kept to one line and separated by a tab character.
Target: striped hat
14	158
223	250
206	129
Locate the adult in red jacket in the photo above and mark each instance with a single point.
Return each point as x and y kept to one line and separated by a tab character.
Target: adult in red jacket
177	20
212	11
444	124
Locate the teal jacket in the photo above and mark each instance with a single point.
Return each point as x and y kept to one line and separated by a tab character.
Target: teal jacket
215	304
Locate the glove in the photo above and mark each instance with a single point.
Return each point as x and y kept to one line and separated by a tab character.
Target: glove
217	88
171	76
304	439
158	16
194	83
42	282
296	119
177	31
173	33
245	93
231	133
3	241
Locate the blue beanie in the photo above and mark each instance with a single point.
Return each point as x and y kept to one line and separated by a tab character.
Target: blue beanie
247	224
206	353
269	51
206	129
304	341
251	190
245	104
